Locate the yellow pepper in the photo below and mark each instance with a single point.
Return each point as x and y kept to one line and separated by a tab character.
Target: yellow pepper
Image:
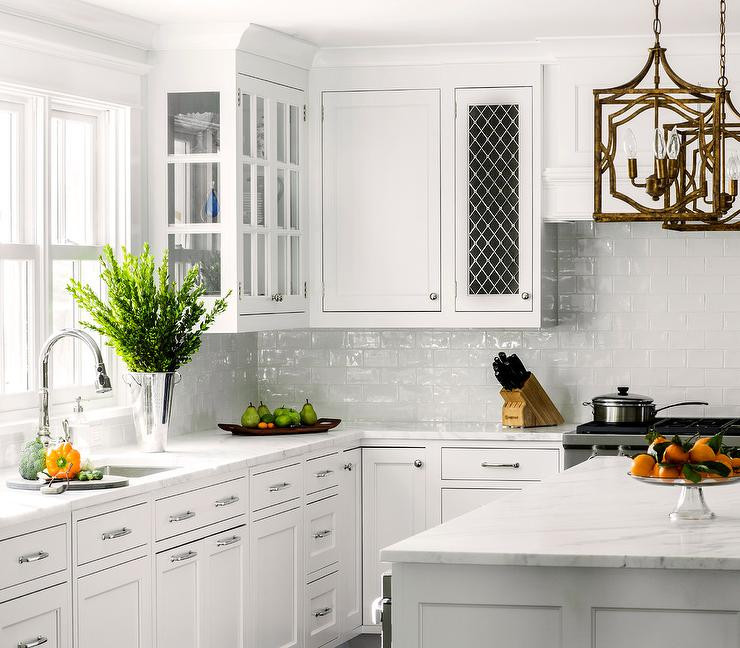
63	462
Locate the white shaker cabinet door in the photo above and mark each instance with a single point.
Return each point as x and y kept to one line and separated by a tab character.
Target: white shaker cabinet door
381	201
350	541
114	607
40	619
394	507
276	588
494	199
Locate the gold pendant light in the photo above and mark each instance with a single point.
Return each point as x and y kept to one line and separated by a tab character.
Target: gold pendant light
692	182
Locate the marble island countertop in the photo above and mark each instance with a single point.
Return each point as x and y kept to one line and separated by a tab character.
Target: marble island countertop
593	515
214	452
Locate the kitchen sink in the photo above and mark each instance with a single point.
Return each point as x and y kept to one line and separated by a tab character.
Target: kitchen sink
134	471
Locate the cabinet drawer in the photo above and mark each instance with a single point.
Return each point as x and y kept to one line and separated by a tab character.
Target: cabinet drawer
112	533
321	533
33	555
198	508
276	486
499	464
321	473
321	611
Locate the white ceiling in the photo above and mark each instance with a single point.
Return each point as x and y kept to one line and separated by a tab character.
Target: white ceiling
394	22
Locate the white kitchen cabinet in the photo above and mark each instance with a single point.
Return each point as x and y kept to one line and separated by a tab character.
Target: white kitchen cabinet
38	619
394	500
350	541
276	581
321	520
115	606
494	192
381	201
322	619
457	501
224	595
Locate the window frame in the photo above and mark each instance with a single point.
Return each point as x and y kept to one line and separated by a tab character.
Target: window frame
111	196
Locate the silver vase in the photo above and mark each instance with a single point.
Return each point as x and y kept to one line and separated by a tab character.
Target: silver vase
152	395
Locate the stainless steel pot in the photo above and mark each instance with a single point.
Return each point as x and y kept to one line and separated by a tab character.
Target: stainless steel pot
625	408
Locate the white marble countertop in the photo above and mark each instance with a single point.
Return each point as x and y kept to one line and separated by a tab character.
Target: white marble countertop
593	515
214	452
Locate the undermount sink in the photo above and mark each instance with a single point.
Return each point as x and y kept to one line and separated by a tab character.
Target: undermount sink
134	471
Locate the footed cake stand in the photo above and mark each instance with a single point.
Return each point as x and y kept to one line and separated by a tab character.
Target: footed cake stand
691	504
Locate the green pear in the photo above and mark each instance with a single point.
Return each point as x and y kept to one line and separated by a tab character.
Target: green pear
250	418
308	414
263	410
282	421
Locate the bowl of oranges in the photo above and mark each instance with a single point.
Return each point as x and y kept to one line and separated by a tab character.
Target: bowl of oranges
692	464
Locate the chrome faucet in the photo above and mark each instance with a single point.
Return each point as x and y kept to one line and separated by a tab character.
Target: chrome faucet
102	381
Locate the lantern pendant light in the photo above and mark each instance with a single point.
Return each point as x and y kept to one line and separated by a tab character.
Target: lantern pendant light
691	182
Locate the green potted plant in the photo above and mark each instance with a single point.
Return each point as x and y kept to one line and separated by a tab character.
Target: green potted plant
154	325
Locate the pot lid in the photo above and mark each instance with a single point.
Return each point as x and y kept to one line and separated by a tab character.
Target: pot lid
622	397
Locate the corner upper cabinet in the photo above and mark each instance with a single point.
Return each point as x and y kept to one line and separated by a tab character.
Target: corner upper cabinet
494	218
381	201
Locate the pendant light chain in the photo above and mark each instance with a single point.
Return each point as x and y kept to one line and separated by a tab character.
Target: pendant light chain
722	44
656	22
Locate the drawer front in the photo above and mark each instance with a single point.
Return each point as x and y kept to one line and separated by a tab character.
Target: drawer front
321	533
275	486
499	464
320	474
321	611
198	508
33	555
114	532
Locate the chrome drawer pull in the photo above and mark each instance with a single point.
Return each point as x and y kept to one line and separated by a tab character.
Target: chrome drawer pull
322	534
278	487
485	464
179	517
322	612
226	501
118	533
38	641
34	557
183	556
225	542
323	473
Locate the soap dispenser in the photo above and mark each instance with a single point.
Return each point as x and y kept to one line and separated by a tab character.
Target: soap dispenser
79	431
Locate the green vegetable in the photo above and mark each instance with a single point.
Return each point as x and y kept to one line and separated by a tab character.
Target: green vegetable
33	459
283	421
150	322
90	475
267	418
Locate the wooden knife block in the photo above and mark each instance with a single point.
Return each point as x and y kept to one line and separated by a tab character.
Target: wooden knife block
529	406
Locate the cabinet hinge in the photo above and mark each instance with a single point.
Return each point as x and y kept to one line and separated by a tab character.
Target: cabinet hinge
305	290
305	112
456	290
239	97
456	110
322	113
323	291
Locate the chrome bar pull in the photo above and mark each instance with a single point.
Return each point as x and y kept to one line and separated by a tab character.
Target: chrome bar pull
487	464
179	517
34	557
183	556
322	534
323	473
278	487
38	641
225	542
118	533
227	501
322	612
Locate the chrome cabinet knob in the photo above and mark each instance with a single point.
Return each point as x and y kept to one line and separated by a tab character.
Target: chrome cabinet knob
433	296
348	466
277	297
525	295
418	463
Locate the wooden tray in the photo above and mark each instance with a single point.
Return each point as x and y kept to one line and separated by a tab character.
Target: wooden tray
322	425
108	481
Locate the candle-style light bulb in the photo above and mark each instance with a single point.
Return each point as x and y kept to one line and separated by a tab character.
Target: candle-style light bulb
733	167
659	148
630	144
674	144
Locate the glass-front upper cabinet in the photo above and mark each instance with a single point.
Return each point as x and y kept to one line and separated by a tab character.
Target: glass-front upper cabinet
194	219
494	217
272	188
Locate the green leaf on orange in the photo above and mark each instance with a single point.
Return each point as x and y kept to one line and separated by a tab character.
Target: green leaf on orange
690	473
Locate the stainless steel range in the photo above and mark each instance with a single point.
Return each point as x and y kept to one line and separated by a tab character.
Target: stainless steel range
598	439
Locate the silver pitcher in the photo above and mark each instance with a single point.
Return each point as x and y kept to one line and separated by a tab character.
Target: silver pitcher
152	403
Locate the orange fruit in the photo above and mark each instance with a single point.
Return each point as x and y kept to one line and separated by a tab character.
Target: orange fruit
735	463
669	472
703	440
700	453
262	425
270	425
675	454
642	465
725	460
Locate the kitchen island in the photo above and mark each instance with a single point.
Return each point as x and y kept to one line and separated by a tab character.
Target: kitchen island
588	558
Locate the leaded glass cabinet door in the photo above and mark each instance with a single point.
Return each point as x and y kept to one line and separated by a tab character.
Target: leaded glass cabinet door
494	199
272	159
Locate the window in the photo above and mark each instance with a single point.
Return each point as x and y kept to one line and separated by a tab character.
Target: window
63	188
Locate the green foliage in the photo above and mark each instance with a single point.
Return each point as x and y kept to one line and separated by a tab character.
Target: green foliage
150	322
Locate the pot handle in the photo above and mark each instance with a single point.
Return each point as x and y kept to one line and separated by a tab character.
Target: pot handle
128	379
588	404
660	409
178	377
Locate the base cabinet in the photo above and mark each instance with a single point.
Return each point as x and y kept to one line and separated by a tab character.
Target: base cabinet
114	605
277	581
394	499
322	619
39	619
350	541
